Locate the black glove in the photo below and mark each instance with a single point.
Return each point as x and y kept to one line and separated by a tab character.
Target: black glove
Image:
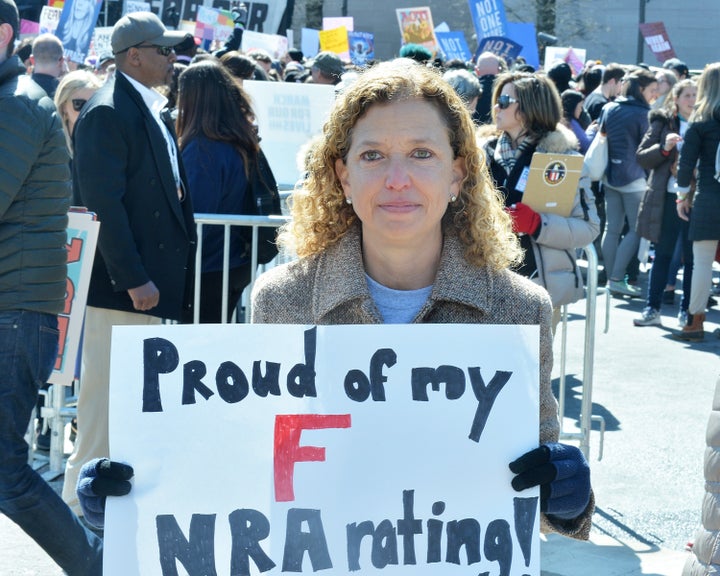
98	479
563	475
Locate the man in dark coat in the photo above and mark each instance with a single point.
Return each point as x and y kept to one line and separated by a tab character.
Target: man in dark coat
48	62
128	171
487	68
34	200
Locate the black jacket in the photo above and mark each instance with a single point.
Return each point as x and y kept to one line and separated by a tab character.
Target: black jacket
34	196
699	147
122	172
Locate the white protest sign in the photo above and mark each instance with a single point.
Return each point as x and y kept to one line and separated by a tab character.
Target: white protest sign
49	18
574	57
273	44
274	448
288	116
132	6
82	234
330	22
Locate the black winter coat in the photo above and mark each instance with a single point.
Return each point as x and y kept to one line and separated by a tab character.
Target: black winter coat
34	196
122	172
700	145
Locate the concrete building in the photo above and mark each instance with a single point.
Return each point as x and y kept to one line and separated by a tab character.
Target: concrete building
607	30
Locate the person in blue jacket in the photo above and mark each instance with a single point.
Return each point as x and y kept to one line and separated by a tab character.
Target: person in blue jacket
219	144
625	122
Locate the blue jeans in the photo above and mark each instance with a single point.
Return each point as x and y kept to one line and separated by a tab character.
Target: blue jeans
671	229
28	346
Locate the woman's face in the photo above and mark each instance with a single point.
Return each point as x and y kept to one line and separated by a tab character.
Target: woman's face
83	94
400	173
578	110
663	84
686	101
82	9
650	92
509	119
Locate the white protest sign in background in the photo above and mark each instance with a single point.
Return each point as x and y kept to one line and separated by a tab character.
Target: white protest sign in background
288	116
49	18
336	449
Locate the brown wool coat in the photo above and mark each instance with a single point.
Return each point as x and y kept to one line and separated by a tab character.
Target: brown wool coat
649	155
330	288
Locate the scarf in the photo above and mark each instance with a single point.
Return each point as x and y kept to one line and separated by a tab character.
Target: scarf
504	153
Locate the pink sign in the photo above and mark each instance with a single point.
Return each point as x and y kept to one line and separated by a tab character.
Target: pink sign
29	27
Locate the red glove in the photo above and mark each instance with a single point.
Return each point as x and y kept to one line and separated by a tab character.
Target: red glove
525	219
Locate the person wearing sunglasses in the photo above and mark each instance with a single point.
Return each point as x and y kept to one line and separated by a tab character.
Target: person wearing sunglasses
128	170
73	92
527	112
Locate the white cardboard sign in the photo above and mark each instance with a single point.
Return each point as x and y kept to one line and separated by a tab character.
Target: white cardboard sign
288	116
269	449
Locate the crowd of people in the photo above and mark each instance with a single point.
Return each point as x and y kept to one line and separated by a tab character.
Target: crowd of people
412	209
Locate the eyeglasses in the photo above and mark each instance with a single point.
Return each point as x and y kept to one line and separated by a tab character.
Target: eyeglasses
78	103
504	101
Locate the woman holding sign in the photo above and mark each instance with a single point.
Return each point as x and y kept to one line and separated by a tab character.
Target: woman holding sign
527	111
399	223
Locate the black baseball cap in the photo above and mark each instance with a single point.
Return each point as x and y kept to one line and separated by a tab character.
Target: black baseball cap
9	15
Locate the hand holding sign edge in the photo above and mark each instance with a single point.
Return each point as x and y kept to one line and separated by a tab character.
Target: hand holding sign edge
98	479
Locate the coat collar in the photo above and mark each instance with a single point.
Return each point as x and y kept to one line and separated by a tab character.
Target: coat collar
341	266
560	141
11	68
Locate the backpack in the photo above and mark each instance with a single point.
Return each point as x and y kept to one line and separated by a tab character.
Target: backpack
261	199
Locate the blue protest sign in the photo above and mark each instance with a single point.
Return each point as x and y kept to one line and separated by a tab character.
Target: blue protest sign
488	18
524	34
453	45
362	47
503	47
76	26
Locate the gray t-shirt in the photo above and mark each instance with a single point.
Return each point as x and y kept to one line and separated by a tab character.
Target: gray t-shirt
397	306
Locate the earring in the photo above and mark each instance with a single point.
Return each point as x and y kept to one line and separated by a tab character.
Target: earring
453	198
348	199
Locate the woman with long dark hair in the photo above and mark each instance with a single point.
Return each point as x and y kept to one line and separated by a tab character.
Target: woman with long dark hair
219	144
625	122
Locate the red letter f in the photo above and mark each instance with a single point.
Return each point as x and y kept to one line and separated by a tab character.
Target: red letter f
288	429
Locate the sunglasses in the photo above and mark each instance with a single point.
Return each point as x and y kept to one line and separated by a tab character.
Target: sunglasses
78	103
504	101
162	50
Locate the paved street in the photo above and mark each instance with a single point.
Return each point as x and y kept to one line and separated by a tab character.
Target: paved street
655	396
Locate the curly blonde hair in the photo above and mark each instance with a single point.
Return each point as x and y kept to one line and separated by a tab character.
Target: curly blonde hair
320	214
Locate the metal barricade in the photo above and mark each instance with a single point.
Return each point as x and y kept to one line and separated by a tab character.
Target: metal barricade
227	221
60	413
586	417
60	409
